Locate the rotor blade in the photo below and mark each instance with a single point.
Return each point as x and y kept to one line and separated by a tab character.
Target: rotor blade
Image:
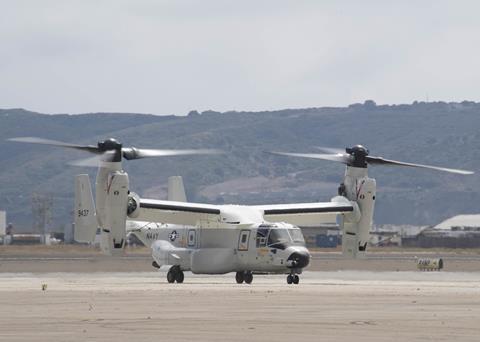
93	161
382	161
137	153
35	140
342	158
88	162
331	150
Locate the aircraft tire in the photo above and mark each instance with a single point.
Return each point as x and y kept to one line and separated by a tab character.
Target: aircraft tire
289	279
248	277
296	279
179	276
239	277
171	276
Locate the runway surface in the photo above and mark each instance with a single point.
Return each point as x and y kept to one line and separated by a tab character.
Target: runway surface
35	261
325	306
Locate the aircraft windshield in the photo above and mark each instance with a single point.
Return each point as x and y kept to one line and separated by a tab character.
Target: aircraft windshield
297	236
281	238
278	238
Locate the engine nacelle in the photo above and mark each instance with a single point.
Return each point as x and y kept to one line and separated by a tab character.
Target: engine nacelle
359	189
115	216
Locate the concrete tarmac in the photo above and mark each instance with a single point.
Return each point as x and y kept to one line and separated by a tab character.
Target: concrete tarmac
79	258
325	306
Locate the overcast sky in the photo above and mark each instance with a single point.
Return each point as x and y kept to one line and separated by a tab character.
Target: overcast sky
169	57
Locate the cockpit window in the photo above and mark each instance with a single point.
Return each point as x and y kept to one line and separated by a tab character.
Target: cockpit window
297	236
262	237
278	238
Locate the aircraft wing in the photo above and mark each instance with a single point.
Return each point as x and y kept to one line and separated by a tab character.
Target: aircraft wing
187	213
307	214
184	213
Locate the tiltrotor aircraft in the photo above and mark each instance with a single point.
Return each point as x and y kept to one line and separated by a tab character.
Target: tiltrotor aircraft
218	239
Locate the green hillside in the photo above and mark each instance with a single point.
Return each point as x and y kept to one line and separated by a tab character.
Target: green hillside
445	134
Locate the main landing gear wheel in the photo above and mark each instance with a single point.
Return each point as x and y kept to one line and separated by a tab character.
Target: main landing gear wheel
293	279
239	277
175	274
171	276
179	277
246	277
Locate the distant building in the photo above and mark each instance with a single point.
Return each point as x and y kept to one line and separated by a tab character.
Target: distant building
393	235
461	231
460	223
326	235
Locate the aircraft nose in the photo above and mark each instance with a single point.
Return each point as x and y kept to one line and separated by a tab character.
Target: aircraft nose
299	259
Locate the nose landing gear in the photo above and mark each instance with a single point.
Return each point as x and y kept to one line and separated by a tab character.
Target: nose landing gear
245	276
175	274
293	278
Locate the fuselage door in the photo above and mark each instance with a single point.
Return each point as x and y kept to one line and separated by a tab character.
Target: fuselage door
243	240
192	238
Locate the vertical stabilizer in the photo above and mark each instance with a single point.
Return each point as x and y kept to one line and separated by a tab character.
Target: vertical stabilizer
85	218
176	190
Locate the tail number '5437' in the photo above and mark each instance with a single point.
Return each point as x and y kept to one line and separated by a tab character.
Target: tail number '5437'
83	212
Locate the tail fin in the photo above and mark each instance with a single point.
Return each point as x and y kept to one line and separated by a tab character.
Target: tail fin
85	217
176	190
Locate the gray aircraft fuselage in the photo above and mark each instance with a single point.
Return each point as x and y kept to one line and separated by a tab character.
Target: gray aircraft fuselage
257	248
